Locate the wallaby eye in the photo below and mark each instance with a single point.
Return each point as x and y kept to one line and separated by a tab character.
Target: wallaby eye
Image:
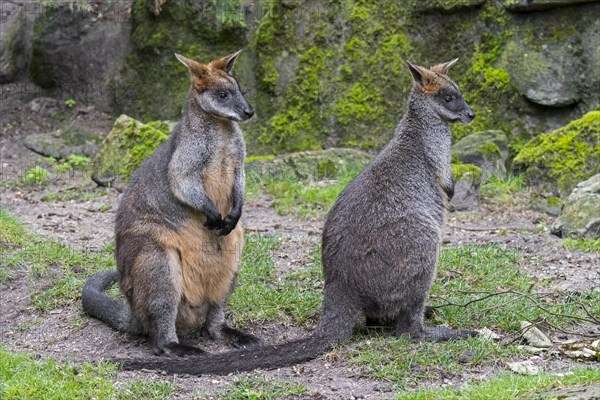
448	98
222	95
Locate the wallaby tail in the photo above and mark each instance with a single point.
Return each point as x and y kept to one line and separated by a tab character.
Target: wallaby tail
99	305
335	326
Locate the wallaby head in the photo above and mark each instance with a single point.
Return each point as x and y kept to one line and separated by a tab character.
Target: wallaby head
215	91
441	93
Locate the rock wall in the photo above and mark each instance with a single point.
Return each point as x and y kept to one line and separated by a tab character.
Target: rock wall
331	73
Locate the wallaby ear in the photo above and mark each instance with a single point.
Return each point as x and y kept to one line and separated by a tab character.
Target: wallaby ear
195	67
443	68
416	72
226	63
185	61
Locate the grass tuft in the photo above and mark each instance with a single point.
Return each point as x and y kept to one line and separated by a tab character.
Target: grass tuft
258	388
509	387
585	245
260	297
24	376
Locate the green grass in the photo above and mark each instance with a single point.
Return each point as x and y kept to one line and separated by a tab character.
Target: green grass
509	387
37	175
75	193
66	269
24	376
585	245
260	297
303	198
257	388
469	273
503	188
476	287
405	362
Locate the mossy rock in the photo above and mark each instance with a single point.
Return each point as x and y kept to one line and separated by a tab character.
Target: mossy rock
332	74
62	143
152	83
559	159
123	150
309	165
580	215
488	150
539	77
467	184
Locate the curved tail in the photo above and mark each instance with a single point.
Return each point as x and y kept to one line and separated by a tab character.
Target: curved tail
99	305
335	326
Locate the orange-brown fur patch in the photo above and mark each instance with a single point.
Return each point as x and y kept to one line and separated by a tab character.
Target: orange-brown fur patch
206	77
433	79
218	180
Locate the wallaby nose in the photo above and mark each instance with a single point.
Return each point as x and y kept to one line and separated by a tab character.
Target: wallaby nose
249	112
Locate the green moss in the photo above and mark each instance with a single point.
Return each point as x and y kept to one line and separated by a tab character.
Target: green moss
147	138
124	149
153	84
482	81
462	170
299	125
259	158
490	150
562	158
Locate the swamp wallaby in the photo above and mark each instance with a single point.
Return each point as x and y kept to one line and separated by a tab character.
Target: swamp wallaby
178	241
381	239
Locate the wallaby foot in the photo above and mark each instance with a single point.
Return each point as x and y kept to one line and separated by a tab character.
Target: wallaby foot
240	339
443	334
217	329
176	349
428	312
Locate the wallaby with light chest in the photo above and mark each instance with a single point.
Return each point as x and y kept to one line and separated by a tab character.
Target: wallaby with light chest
178	239
381	239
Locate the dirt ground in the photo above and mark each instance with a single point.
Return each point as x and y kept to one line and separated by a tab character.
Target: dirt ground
82	225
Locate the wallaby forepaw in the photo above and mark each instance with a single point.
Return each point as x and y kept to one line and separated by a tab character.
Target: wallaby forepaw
215	222
229	224
177	350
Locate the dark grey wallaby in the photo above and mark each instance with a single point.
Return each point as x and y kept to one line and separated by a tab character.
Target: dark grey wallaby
381	239
178	240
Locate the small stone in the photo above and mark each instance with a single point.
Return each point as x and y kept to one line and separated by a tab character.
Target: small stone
487	333
524	368
534	336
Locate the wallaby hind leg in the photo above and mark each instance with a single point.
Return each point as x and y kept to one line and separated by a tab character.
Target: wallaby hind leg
160	297
218	329
411	324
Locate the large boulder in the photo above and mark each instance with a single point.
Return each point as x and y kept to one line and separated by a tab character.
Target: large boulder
307	165
467	183
123	150
558	160
77	53
488	150
64	142
12	40
580	215
539	77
